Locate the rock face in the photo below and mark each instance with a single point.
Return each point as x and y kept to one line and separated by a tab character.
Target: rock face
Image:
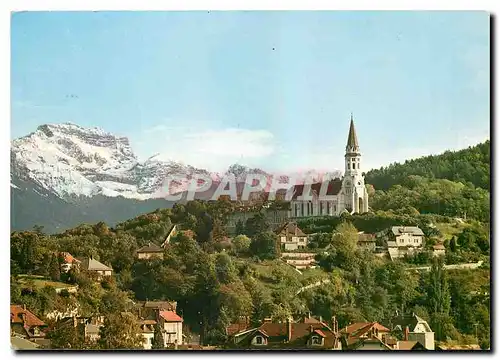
69	160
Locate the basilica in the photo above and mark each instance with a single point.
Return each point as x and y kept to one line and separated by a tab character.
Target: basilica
346	194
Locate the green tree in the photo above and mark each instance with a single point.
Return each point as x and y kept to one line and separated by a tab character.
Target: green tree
240	227
264	245
158	339
345	238
65	336
241	244
257	224
54	268
439	299
453	244
120	331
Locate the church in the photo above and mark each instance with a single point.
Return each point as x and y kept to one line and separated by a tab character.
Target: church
346	194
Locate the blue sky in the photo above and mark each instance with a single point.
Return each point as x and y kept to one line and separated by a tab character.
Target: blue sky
267	89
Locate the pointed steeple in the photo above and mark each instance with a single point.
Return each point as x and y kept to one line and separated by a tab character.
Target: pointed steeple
352	139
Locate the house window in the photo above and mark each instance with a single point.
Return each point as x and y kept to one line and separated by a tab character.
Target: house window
328	208
259	340
321	208
348	166
302	209
316	340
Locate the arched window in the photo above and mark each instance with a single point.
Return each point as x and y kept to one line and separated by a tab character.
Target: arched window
316	340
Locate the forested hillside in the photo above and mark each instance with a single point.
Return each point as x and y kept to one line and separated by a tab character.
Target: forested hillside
471	165
452	184
215	281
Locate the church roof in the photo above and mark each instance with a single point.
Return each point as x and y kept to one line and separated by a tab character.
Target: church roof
333	188
352	139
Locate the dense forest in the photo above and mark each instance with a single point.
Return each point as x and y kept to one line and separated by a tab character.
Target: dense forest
468	166
453	184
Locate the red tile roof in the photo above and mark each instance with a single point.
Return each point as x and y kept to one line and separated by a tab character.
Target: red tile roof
68	258
299	331
30	319
361	328
170	316
320	333
406	345
234	328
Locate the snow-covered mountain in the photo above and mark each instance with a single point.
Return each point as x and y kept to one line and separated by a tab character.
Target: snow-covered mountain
69	160
63	175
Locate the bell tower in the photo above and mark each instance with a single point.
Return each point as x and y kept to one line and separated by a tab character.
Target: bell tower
355	196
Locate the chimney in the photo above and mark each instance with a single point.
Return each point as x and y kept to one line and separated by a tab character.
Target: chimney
334	324
74	321
320	318
407	330
24	307
289	326
267	320
310	328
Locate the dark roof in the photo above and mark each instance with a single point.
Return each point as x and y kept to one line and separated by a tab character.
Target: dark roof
414	230
334	187
150	248
352	139
411	320
161	305
290	228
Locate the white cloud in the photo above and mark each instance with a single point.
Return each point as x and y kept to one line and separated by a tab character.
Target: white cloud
210	149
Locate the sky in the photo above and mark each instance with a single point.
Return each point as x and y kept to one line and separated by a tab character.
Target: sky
273	90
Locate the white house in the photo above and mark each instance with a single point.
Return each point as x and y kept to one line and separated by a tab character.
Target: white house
92	265
69	261
171	325
404	240
347	194
292	237
148	333
150	251
415	328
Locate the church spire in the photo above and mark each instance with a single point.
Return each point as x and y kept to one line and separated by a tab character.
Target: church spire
352	139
